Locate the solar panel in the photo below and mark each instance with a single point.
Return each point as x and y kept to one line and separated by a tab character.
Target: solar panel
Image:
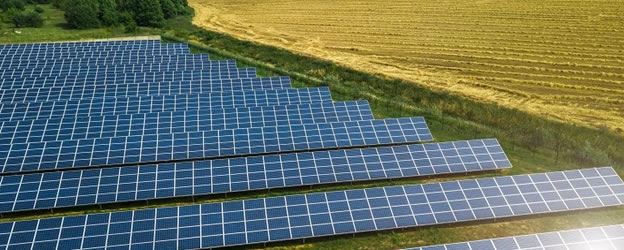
81	43
77	81
280	218
141	89
80	127
598	238
95	54
223	66
7	52
116	151
135	183
74	69
170	103
101	78
105	60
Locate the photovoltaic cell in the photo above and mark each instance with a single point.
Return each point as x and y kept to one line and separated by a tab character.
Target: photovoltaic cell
73	81
223	67
80	127
93	54
9	52
134	183
56	70
146	149
141	89
280	218
102	78
82	44
169	103
594	238
164	59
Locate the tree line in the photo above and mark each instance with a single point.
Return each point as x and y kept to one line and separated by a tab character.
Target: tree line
86	14
81	14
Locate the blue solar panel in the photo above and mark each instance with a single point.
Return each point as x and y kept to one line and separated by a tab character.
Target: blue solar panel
599	238
95	54
164	59
115	79
102	78
170	103
141	89
134	183
8	52
80	127
83	43
212	66
128	150
71	69
280	218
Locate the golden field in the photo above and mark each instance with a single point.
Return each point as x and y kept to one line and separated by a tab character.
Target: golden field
560	58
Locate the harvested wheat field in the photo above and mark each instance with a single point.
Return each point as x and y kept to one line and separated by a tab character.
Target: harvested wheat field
559	58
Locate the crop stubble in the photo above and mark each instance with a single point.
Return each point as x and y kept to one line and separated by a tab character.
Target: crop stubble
560	58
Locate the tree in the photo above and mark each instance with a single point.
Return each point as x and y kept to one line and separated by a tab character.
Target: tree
27	19
128	21
81	14
169	9
11	4
108	14
145	12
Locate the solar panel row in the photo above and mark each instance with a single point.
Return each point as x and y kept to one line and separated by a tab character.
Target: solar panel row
143	149
320	214
135	183
594	238
94	54
79	127
82	44
99	78
167	103
105	61
114	79
9	52
141	89
116	68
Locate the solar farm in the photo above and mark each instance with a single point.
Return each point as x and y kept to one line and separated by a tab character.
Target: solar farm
86	124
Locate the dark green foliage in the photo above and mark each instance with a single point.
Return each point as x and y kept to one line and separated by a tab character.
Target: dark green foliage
81	14
107	13
145	12
39	1
39	9
27	19
127	20
168	8
11	4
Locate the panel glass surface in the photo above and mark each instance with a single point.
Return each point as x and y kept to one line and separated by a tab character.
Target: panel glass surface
322	214
134	183
166	103
143	149
594	238
80	127
141	89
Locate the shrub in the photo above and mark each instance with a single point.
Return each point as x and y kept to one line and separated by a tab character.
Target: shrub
38	9
27	19
81	14
11	4
145	12
168	8
108	14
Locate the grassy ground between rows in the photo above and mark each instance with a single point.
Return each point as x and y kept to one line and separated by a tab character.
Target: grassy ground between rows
444	126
